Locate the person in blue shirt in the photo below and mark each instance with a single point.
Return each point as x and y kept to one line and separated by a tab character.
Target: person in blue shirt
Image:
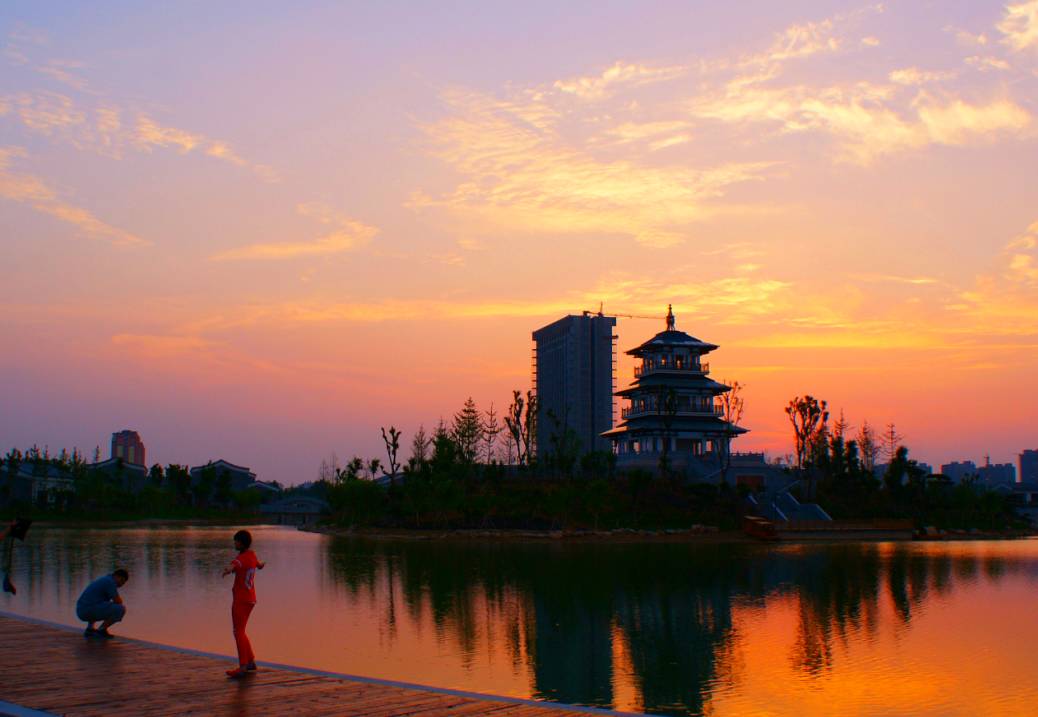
101	601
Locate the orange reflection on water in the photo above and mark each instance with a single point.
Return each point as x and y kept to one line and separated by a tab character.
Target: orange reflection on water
722	629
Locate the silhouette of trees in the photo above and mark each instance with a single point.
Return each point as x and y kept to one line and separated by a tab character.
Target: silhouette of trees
467	431
521	422
392	441
808	416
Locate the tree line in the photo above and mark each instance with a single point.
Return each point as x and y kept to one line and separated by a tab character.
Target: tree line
164	491
839	468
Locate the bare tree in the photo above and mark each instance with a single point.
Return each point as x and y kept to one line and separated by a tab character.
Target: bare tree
421	444
521	422
892	440
868	446
841	427
329	468
491	429
807	415
732	404
392	441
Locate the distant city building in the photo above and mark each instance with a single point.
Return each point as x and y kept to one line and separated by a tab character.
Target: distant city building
295	510
1028	466
40	484
673	405
574	371
880	469
128	446
119	471
993	474
959	471
240	476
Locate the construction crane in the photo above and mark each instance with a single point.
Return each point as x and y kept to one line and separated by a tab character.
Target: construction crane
669	318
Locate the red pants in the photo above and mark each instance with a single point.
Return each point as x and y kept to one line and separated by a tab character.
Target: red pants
240	612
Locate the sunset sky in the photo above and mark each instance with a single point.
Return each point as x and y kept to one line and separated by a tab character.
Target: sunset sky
260	231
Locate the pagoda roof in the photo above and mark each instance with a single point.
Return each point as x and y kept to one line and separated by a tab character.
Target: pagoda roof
671	339
647	384
696	424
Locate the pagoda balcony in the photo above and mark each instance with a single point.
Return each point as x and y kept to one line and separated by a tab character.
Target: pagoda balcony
632	411
646	369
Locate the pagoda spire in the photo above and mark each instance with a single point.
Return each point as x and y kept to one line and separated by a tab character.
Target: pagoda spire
670	318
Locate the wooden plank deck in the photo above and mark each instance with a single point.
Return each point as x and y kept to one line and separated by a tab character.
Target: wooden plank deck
55	669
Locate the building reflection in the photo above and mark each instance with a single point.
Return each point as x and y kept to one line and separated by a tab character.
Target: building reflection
561	609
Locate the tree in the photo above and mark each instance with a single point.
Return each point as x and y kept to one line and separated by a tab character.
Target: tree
891	441
203	489
329	468
373	468
807	415
522	424
392	441
421	444
223	488
351	472
491	429
179	479
565	444
868	446
156	474
467	431
732	404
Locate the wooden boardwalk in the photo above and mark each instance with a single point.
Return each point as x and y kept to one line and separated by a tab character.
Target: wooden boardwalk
56	670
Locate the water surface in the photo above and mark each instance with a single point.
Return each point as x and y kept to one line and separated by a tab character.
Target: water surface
699	629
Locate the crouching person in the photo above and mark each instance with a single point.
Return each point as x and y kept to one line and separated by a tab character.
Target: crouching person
101	602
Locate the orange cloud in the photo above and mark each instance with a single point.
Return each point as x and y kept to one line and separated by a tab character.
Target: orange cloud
348	235
1019	25
27	189
621	74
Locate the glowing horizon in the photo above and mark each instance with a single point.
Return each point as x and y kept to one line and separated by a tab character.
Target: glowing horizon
261	237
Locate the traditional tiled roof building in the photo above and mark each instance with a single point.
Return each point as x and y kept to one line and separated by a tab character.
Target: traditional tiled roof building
673	408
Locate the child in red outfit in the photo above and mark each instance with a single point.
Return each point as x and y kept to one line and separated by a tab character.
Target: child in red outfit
244	568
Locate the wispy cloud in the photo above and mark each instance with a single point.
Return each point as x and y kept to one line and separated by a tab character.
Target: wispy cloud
1019	25
915	76
619	75
347	235
97	125
863	117
33	191
985	63
64	71
524	178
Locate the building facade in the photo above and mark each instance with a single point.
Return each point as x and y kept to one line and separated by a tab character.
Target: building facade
1028	464
574	380
240	476
959	471
128	446
674	409
992	474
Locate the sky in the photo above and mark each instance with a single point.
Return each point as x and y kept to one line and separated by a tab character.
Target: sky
261	231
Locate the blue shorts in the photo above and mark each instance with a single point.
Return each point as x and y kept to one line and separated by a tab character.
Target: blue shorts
102	611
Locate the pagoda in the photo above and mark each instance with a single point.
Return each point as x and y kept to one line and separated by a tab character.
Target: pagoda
674	408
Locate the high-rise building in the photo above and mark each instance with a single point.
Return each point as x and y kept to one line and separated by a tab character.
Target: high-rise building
992	474
1028	466
959	471
574	379
128	446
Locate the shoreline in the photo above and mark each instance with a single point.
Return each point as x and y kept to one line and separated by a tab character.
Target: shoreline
697	534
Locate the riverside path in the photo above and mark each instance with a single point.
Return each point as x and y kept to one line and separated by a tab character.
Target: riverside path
52	669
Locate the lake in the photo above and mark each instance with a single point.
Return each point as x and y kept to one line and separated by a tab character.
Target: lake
944	628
